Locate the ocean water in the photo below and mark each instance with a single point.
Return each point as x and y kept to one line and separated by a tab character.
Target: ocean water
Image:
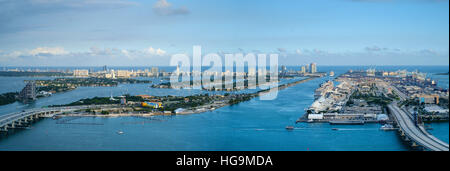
253	125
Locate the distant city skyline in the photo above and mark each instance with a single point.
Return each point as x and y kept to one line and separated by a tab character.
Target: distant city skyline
147	33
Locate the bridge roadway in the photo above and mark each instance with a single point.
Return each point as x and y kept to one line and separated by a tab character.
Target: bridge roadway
13	119
417	134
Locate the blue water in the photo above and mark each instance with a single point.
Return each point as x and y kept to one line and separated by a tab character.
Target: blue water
440	130
252	125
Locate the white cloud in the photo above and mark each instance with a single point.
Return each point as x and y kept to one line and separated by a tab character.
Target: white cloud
48	51
153	51
162	7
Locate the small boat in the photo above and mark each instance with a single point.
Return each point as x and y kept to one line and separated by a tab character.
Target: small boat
119	132
289	127
334	129
387	127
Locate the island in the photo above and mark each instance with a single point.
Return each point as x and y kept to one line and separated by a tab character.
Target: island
146	105
44	88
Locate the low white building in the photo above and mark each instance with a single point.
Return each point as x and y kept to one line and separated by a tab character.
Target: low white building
315	116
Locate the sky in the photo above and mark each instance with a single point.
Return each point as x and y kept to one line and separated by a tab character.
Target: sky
148	33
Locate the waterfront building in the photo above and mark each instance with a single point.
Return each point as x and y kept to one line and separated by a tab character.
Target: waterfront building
28	92
111	74
370	72
283	69
428	99
81	73
123	73
303	69
313	68
154	71
155	105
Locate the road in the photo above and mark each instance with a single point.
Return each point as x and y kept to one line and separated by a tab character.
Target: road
416	133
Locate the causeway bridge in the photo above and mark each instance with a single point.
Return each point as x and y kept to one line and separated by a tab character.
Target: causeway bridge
414	133
20	119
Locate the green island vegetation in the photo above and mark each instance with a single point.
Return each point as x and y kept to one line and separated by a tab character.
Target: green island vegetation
169	103
67	84
409	102
8	98
54	88
91	101
104	112
32	74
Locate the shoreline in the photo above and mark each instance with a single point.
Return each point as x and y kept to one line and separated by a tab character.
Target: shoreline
196	110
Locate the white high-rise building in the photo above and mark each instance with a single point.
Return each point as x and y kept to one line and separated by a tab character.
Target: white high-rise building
81	73
313	67
303	69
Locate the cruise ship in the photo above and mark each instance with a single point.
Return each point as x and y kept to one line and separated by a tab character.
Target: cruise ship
324	88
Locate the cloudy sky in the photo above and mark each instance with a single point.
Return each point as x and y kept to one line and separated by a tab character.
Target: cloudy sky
147	33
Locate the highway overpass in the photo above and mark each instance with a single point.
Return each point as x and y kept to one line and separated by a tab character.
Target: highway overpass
414	133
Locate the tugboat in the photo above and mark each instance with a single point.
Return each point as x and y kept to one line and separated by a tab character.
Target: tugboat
289	128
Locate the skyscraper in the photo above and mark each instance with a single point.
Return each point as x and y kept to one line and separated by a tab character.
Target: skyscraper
313	68
303	70
283	69
155	71
28	92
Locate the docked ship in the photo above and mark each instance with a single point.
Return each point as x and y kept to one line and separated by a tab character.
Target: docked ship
323	89
347	122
